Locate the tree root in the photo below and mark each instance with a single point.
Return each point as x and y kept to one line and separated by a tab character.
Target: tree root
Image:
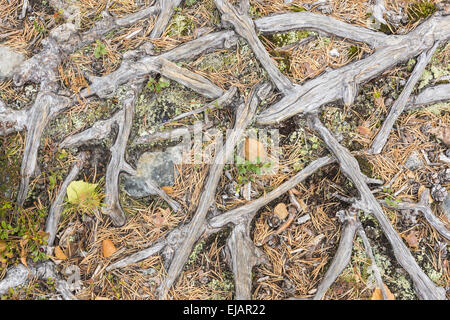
425	288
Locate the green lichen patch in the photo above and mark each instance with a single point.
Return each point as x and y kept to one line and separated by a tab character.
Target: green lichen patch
421	10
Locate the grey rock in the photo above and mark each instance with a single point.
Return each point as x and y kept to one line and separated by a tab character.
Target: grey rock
439	193
334	53
152	166
413	162
9	61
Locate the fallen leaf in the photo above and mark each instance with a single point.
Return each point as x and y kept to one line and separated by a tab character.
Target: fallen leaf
253	149
442	133
364	131
412	240
101	298
2	245
77	191
281	211
167	189
158	220
420	191
59	254
108	248
378	295
23	253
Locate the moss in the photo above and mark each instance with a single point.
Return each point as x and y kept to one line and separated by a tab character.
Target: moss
181	25
365	166
421	10
284	39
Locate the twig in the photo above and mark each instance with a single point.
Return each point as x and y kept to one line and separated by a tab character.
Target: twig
399	105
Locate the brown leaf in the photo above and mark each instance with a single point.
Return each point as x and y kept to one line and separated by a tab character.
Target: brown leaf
412	240
254	149
158	220
364	131
59	254
167	189
378	295
23	253
442	133
281	211
108	248
101	298
2	246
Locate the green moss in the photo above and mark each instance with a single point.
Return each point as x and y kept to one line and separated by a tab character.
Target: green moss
421	10
284	39
181	25
365	166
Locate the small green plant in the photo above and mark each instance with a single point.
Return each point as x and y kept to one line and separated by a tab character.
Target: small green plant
421	9
390	200
100	50
296	8
353	52
157	86
247	170
189	3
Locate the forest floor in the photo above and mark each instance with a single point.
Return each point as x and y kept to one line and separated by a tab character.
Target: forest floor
416	157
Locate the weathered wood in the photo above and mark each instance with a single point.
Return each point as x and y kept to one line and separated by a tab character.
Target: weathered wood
244	256
167	10
425	288
342	83
20	275
189	79
399	105
244	26
429	96
105	86
244	115
343	253
323	24
170	134
51	225
12	120
424	207
224	100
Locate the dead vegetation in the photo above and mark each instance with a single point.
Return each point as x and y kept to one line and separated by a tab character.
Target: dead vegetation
340	239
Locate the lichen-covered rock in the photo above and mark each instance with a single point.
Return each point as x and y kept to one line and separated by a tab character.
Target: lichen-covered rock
413	162
9	61
438	192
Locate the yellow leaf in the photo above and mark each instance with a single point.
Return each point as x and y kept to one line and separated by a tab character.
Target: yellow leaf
108	248
77	191
2	246
167	189
281	211
364	131
59	254
378	295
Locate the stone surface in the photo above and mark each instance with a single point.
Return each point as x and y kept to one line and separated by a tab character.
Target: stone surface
9	61
156	166
413	162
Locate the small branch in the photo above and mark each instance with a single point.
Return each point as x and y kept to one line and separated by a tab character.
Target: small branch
429	96
138	256
196	227
399	105
51	225
189	79
424	207
244	26
375	269
167	10
323	24
224	100
343	253
425	288
244	256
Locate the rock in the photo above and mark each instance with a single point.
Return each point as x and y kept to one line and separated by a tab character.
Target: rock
9	61
439	193
155	166
446	206
334	53
413	162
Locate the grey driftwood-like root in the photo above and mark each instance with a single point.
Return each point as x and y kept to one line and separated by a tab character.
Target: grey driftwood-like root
434	94
51	225
233	217
423	206
244	26
343	253
399	105
342	83
244	115
12	120
243	255
21	275
424	286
